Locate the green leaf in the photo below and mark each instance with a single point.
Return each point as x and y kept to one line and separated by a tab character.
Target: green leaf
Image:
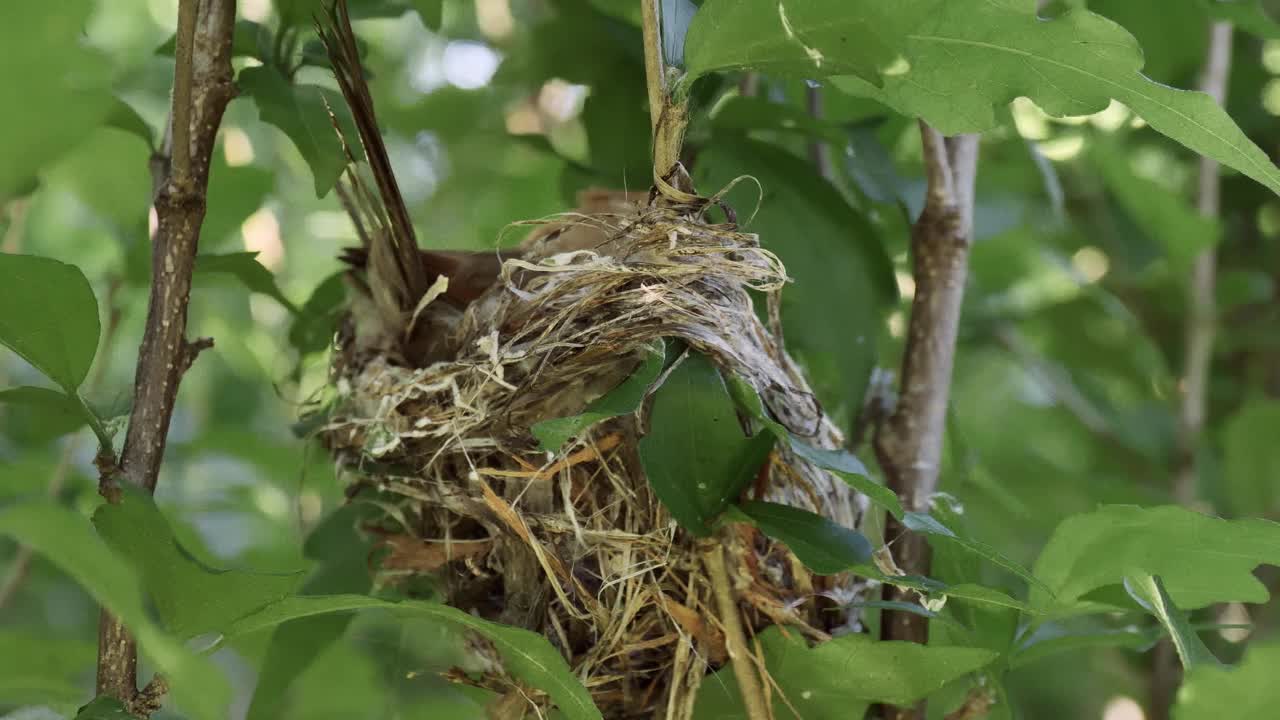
44	414
124	117
845	466
1248	690
808	39
234	194
67	540
191	597
1251	459
104	708
1054	638
37	669
51	99
1248	15
622	400
302	12
526	655
108	172
756	113
342	554
833	680
49	317
431	12
1201	559
1162	213
313	327
832	327
928	525
299	111
824	547
951	61
696	455
245	267
1150	593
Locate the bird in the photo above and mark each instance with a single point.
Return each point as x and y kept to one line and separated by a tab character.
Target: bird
389	269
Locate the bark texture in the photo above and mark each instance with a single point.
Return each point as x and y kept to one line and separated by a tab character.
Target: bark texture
909	444
202	88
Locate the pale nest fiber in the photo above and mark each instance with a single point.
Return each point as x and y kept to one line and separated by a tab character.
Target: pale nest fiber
574	545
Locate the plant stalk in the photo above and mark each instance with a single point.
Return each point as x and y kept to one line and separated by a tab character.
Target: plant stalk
909	444
744	669
202	88
668	115
1200	333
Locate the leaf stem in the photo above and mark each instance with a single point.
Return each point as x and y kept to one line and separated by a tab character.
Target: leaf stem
744	669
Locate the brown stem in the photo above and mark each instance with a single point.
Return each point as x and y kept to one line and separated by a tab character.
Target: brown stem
909	444
202	88
1201	329
744	669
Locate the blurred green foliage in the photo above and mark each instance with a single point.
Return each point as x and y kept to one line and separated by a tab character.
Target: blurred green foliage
1066	387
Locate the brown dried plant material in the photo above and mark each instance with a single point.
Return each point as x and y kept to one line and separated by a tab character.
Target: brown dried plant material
574	545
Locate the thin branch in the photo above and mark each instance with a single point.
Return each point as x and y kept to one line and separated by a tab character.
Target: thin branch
184	48
202	88
1202	309
1201	330
909	444
744	669
668	115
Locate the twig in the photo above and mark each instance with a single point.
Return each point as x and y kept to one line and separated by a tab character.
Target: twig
744	669
1201	330
202	88
909	444
1202	309
668	115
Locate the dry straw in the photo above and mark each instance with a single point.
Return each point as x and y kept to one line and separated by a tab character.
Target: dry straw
574	545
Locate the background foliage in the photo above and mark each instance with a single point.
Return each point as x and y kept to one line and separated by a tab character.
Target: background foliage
1067	378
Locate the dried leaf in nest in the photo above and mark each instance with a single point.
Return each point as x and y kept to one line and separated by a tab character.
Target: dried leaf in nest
574	544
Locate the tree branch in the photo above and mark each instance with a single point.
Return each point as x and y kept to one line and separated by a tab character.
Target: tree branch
668	116
1201	329
1201	306
744	669
202	88
909	444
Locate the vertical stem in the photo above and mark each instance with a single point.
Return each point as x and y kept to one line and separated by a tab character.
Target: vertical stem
909	444
1201	329
744	669
668	116
1201	306
202	88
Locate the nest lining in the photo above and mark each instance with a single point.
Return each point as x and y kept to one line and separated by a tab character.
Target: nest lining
574	545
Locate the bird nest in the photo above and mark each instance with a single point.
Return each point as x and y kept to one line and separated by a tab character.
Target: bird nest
573	544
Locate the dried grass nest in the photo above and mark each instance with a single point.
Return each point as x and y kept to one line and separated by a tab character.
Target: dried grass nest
575	545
